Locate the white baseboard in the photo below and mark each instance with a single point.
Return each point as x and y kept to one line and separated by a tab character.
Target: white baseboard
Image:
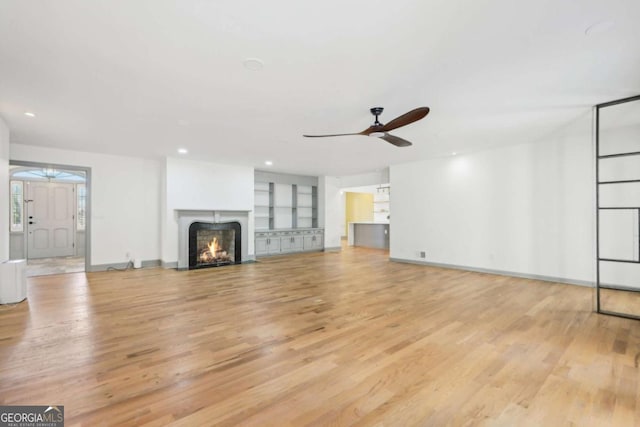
499	272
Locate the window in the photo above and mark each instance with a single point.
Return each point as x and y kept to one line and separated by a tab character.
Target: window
82	206
17	206
41	174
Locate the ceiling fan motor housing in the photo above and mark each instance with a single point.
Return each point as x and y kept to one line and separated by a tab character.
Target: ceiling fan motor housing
376	111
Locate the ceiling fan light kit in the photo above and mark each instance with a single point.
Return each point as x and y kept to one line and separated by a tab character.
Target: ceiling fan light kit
380	130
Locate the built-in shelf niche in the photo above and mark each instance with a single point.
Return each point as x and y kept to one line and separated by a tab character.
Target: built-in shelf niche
286	205
304	207
283	206
263	210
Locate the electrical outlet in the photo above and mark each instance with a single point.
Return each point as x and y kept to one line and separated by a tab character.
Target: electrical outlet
423	254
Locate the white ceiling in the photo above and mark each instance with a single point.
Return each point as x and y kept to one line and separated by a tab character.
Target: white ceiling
143	78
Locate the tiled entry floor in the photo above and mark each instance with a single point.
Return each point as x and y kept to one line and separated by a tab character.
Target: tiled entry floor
59	265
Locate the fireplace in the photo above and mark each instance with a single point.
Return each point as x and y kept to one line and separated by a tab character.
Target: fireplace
214	244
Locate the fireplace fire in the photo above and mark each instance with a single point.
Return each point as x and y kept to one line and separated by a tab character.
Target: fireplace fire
214	252
214	244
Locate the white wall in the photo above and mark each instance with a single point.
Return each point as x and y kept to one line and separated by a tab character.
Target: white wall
330	211
4	191
125	201
366	179
196	185
525	208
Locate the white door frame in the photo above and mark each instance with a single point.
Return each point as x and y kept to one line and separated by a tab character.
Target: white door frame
87	172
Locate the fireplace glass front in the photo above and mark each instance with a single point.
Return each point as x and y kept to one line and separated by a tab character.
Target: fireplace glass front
214	244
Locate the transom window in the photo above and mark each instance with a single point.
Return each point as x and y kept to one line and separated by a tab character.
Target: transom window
48	174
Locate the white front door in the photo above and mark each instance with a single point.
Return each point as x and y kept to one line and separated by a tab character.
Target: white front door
50	219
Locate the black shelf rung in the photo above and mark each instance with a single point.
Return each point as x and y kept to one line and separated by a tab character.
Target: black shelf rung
623	288
610	156
618	260
615	313
626	208
624	181
619	101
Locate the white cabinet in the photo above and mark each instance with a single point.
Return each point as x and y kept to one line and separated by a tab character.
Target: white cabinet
291	241
273	245
288	241
266	244
313	240
262	245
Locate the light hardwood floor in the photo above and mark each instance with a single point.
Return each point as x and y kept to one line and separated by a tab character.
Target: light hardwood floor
318	339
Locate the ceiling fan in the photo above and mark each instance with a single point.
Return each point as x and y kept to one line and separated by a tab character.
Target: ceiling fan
380	130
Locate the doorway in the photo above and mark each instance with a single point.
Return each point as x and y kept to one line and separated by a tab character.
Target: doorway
49	217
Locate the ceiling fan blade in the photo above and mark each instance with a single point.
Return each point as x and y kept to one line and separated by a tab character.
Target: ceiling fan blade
335	134
405	119
370	130
398	142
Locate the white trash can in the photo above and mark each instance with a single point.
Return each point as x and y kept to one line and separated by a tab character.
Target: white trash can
13	281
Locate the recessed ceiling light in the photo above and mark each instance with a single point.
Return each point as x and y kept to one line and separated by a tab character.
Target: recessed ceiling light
29	114
183	150
599	27
253	64
268	162
454	153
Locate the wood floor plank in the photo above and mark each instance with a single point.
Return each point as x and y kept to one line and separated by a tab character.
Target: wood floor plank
342	338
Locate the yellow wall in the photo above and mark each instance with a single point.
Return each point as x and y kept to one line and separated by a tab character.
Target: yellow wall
359	207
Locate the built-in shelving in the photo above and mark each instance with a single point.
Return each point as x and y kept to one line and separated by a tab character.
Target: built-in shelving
285	206
381	210
286	214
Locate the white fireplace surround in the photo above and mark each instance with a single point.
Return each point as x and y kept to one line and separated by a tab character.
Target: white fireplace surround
187	217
